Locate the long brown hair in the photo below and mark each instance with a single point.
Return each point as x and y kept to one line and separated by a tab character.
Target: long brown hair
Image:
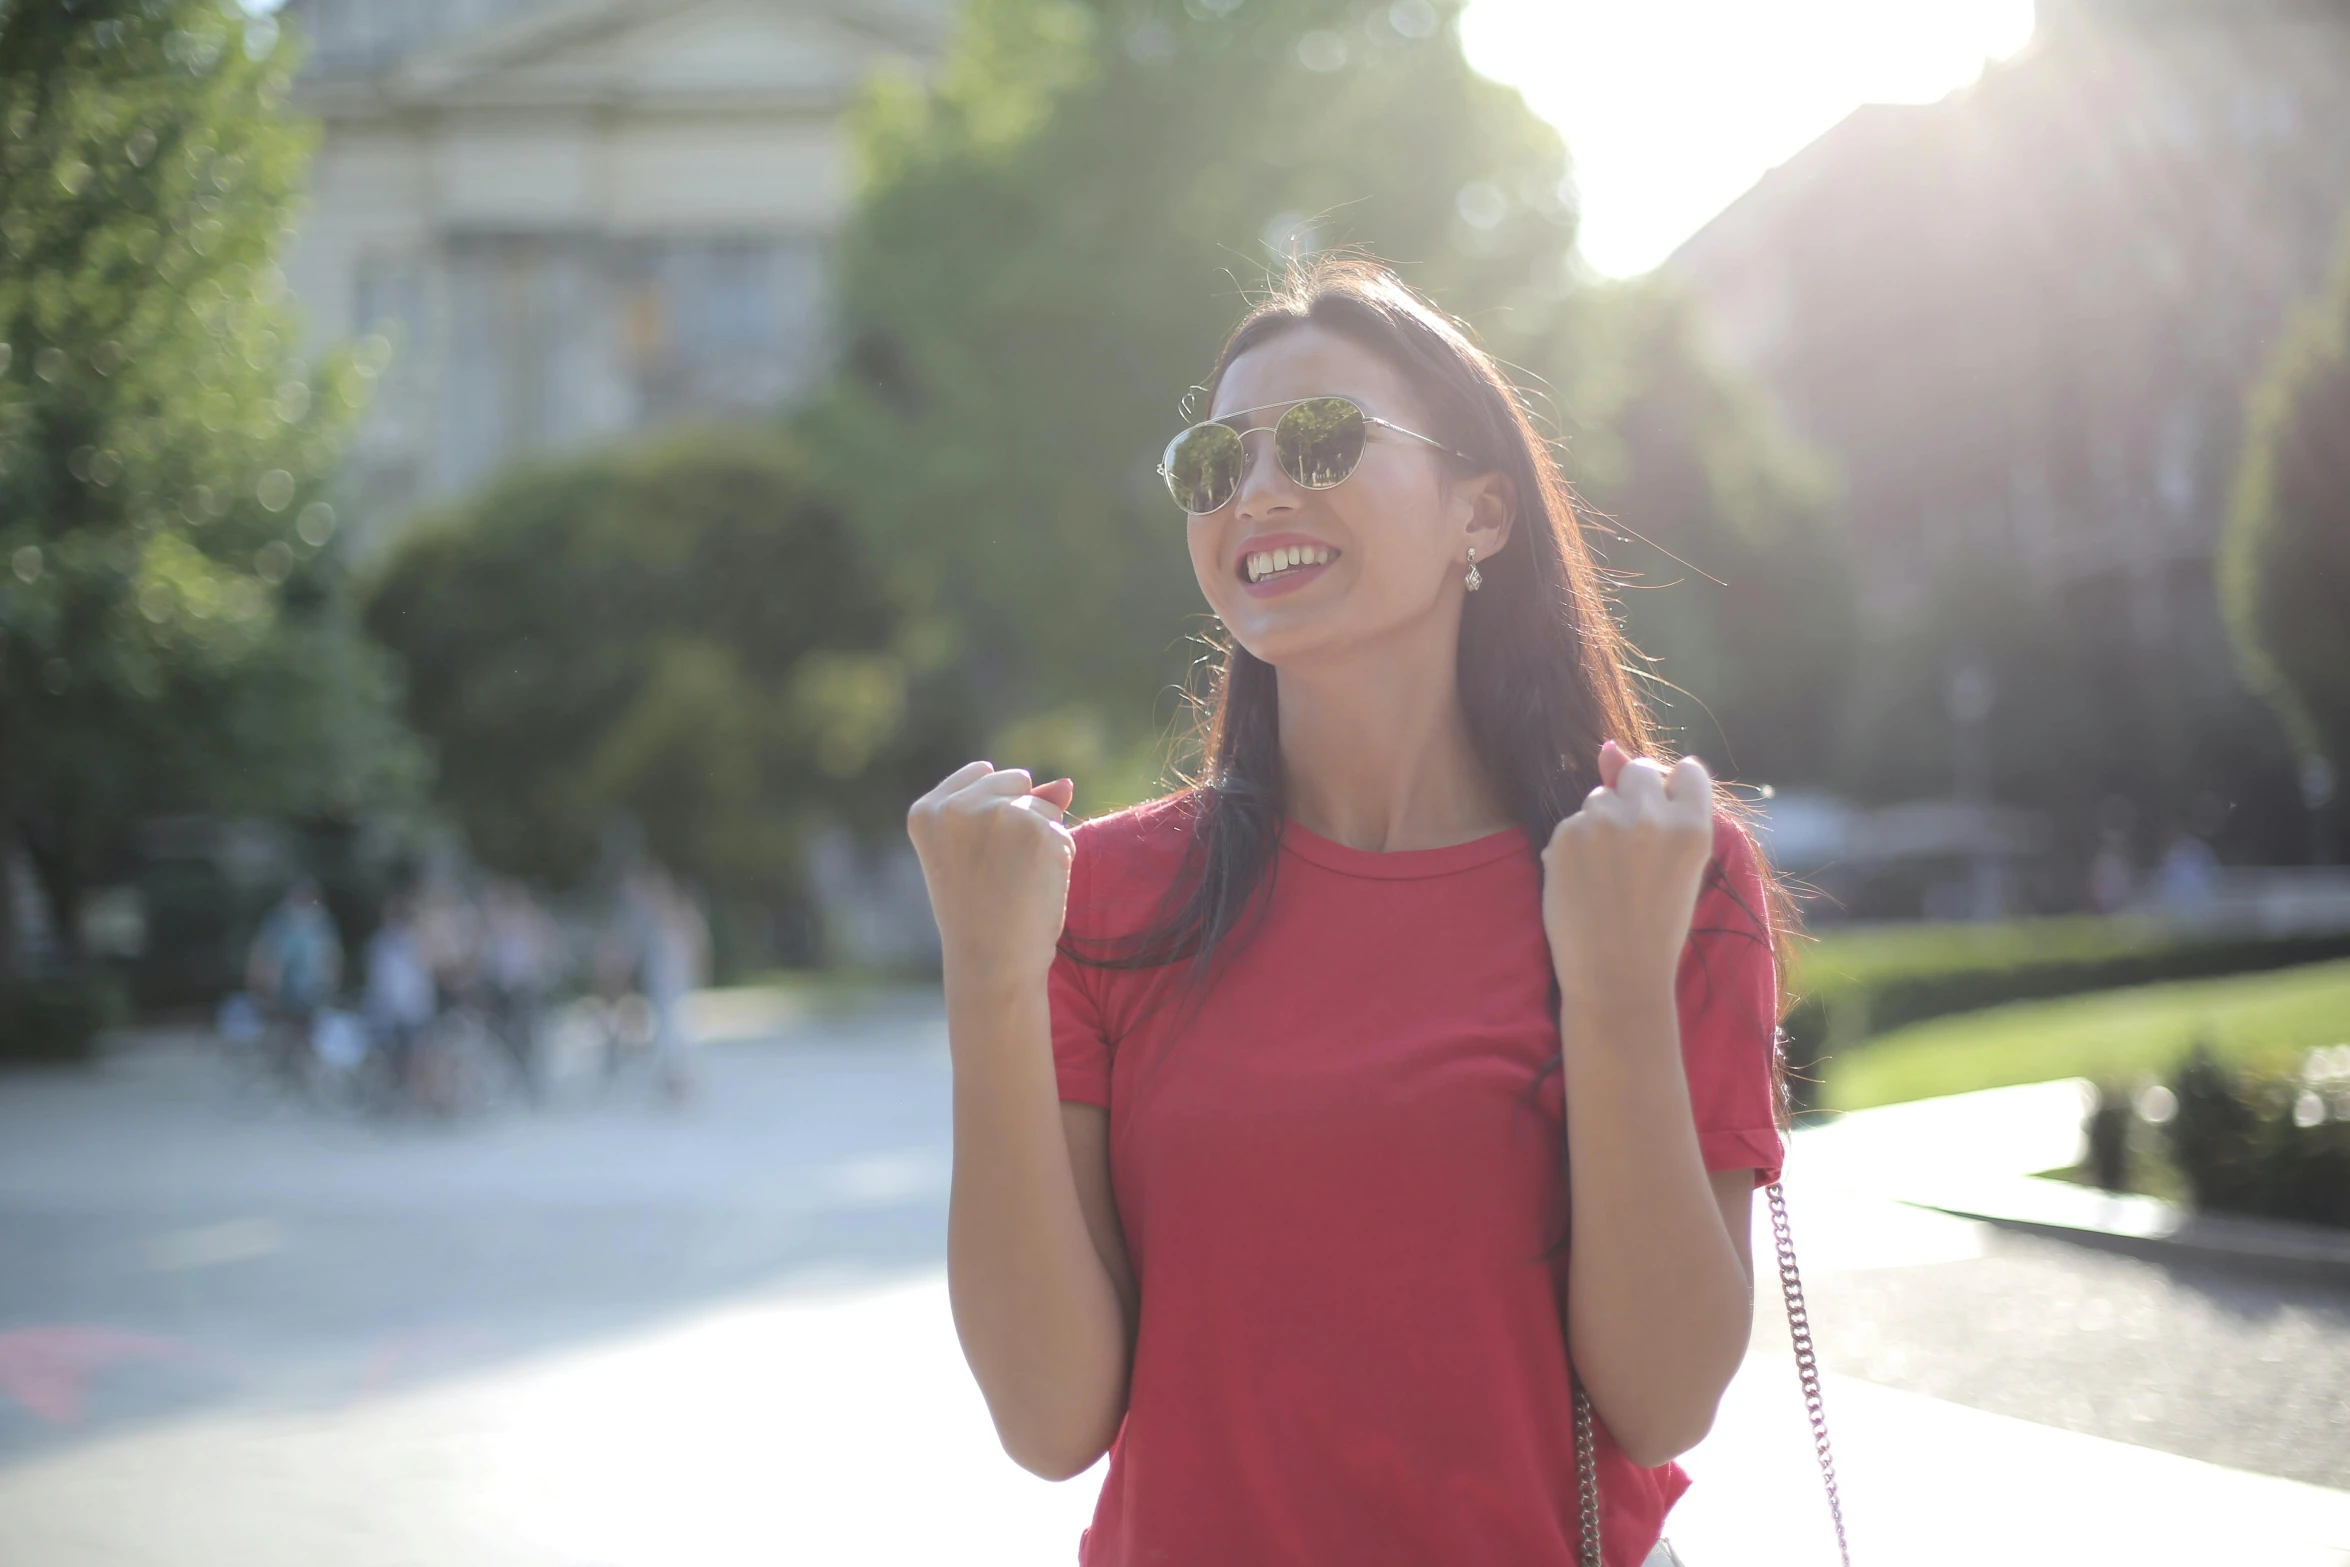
1545	670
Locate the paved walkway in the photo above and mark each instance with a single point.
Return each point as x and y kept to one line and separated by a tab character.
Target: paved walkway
609	1337
2242	1367
2055	1374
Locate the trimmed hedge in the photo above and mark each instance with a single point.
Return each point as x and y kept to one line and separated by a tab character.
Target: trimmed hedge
1850	988
2251	1144
54	1019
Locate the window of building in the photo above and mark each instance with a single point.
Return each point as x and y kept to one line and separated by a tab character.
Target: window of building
387	297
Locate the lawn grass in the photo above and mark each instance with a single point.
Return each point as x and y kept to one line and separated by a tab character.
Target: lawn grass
2255	1020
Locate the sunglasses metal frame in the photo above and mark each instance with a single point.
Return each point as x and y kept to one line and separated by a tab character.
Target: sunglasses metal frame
1291	406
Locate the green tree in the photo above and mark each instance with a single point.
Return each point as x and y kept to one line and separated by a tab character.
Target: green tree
1051	240
171	633
2285	558
2049	734
1049	246
1738	581
683	637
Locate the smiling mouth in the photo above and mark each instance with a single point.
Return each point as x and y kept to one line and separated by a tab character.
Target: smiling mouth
1264	565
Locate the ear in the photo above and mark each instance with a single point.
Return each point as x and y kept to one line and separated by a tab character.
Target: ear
1486	509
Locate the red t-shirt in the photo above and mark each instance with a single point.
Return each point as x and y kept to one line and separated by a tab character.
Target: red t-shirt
1340	1174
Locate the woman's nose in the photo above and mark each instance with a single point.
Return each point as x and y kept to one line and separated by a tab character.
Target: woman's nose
1265	490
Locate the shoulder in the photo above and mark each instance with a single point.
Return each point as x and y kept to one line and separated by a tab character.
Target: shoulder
1127	860
1737	881
1141	836
1734	848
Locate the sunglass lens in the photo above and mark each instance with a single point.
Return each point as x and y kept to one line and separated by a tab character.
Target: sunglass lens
1319	441
1202	466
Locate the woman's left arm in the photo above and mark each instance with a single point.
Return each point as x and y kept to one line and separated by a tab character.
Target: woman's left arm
1660	1294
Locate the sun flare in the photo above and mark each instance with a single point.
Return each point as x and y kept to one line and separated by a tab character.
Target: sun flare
1671	108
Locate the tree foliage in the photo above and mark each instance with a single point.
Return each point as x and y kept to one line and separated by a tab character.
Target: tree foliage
1737	579
683	638
171	636
1985	621
2285	559
1050	242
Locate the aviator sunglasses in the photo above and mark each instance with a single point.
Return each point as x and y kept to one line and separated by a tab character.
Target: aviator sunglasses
1318	441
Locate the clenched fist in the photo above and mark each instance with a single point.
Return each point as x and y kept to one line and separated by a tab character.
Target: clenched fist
996	859
1620	879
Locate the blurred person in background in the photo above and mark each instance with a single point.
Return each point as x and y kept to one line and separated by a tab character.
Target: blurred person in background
2113	879
400	1000
450	928
662	937
1261	1089
2187	881
294	968
522	957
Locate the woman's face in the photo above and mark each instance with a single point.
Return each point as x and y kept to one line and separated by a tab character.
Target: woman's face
1394	536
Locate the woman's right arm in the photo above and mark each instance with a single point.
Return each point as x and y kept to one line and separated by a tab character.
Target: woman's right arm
1036	1268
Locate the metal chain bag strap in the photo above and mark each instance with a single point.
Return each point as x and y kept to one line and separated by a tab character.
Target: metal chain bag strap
1807	1369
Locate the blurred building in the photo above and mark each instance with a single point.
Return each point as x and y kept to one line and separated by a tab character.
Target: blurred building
571	218
2024	318
2023	321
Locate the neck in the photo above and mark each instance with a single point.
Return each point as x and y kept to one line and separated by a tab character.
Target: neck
1375	750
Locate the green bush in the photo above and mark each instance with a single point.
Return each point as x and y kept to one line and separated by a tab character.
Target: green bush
2273	1146
1851	988
683	634
57	1018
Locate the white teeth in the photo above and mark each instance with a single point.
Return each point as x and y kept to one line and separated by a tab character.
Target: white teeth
1266	563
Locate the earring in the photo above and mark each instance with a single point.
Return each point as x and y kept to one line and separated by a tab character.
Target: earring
1475	579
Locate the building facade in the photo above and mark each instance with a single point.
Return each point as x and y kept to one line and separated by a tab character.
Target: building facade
568	219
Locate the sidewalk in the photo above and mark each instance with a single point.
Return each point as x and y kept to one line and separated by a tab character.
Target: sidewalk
834	1429
1939	1145
1977	1156
1927	1481
843	1431
789	1389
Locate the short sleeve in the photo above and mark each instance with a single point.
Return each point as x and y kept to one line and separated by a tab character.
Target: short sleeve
1081	1046
1728	996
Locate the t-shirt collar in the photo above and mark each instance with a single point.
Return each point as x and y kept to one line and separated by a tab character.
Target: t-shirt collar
1400	864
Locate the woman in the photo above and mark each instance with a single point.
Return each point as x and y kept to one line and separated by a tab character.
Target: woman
1260	1089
